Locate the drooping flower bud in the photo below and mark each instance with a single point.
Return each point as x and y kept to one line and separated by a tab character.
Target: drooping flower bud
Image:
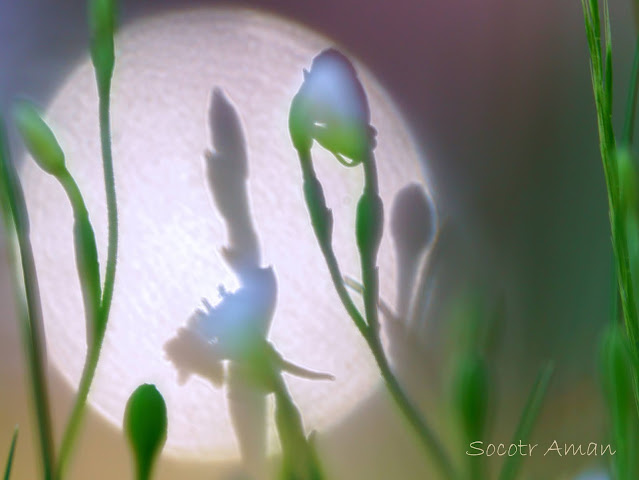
331	107
39	139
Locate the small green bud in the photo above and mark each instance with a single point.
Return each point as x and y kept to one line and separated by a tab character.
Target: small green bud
369	224
102	28
471	395
321	216
39	139
145	424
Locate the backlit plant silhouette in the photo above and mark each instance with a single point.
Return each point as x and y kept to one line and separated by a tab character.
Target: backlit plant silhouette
228	343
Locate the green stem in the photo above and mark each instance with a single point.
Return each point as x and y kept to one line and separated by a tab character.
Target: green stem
371	335
607	147
112	207
77	414
299	459
428	439
29	304
368	260
93	353
331	260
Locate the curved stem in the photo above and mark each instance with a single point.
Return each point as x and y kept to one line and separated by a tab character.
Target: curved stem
93	353
371	335
73	425
428	439
112	207
329	256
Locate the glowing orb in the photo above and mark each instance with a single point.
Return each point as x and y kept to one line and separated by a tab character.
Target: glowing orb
171	233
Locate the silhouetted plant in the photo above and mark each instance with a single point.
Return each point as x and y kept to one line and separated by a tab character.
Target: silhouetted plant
234	332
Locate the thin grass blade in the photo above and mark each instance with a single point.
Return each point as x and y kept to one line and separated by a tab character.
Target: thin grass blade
631	101
12	450
511	465
608	58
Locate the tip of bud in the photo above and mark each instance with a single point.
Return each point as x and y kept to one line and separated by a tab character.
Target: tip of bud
39	139
102	27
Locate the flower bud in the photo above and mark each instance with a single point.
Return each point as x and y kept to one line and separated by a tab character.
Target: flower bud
369	223
321	216
145	424
39	139
331	107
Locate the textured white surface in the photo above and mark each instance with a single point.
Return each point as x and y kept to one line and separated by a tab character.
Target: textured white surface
170	232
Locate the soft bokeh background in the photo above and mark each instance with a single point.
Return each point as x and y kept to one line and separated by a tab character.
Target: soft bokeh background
499	97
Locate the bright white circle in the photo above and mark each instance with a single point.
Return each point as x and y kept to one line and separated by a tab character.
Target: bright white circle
171	232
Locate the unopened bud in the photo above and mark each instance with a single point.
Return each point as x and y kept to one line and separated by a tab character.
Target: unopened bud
145	424
102	28
39	139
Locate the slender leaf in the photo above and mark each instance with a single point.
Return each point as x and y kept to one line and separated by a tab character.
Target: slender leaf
631	101
12	450
527	420
608	58
27	293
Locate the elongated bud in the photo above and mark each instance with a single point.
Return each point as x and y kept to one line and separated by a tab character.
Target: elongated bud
39	139
369	224
321	216
102	28
145	424
470	395
86	257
